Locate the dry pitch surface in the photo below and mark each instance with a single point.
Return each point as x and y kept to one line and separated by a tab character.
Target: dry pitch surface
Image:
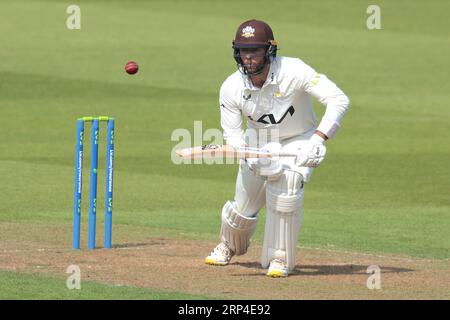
177	265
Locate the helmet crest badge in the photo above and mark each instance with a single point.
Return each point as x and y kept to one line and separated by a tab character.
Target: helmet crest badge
248	32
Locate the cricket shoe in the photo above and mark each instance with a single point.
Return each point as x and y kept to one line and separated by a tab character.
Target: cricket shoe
220	256
277	269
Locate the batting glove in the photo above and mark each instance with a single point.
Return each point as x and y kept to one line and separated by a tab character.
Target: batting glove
312	153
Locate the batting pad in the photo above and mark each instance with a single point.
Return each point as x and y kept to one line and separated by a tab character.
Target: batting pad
284	201
236	229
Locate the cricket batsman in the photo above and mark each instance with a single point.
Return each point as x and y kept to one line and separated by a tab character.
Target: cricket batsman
273	93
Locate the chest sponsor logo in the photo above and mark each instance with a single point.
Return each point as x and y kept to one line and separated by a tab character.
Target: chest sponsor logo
270	118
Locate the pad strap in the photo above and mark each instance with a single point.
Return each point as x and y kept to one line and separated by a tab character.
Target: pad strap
236	229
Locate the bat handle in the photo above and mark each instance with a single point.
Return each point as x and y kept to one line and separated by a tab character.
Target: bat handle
287	154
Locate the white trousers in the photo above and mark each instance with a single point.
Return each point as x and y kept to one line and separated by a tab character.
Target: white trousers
250	193
282	193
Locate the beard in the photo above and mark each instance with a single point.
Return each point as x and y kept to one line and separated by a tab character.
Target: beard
254	68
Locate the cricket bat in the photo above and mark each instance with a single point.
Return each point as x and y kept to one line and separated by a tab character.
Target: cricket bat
226	151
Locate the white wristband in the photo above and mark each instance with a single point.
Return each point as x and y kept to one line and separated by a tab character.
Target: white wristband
328	127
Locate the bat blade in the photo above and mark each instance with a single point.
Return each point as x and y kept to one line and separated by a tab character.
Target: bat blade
224	151
206	151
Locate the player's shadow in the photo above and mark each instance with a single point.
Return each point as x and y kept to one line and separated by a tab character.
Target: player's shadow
137	244
326	270
346	269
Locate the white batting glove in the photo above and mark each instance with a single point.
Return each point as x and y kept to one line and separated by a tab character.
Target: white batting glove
268	168
236	142
272	147
312	153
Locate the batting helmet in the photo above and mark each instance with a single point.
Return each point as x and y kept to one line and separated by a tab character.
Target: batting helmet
254	34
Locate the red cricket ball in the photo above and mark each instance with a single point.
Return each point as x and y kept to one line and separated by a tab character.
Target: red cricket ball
131	67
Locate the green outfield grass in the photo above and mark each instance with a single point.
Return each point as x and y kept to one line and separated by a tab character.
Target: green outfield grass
384	186
19	286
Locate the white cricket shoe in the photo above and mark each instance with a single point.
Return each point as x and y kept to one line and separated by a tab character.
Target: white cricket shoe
277	269
220	256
